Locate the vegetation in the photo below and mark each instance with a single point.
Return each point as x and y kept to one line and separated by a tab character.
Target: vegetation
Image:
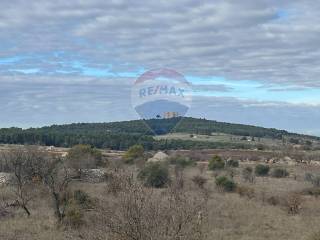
122	135
216	163
228	185
199	181
155	175
182	161
232	163
134	152
313	178
244	191
192	205
262	170
248	174
279	173
83	157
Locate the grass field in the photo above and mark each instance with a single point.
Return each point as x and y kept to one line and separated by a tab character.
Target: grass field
221	137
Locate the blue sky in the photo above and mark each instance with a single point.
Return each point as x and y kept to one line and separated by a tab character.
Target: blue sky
241	89
254	62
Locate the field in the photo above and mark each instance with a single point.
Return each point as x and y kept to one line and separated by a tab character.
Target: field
265	208
220	137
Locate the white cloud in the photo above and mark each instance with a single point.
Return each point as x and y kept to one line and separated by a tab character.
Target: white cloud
237	39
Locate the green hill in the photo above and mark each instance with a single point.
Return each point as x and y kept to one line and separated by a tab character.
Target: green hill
121	135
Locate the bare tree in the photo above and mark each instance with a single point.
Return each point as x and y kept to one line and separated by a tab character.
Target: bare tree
19	162
57	177
140	213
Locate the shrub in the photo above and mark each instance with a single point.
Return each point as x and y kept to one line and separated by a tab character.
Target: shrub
133	153
315	191
273	200
280	173
155	175
116	182
82	199
141	213
73	215
216	163
182	162
226	184
244	191
83	156
262	170
314	179
232	163
308	177
199	181
248	174
293	203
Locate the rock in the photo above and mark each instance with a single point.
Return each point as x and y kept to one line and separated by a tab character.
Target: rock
316	163
287	159
94	175
159	157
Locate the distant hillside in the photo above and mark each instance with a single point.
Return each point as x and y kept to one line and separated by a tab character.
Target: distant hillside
121	135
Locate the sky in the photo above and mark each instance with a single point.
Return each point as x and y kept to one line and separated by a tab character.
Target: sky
251	61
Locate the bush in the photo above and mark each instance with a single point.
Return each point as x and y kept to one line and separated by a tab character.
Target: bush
226	184
274	200
233	163
82	199
133	153
155	175
260	147
244	191
293	203
181	161
116	182
216	163
248	175
315	191
314	179
280	173
199	181
81	157
73	215
262	170
308	177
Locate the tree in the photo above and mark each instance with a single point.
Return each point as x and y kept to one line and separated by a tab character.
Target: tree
82	157
19	162
57	178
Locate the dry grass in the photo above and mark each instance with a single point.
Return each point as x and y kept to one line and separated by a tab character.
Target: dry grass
230	216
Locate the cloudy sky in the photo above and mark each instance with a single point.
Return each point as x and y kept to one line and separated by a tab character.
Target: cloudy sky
250	61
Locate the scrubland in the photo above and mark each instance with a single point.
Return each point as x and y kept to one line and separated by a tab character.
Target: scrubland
179	198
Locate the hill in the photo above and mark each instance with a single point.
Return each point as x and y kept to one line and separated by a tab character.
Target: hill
121	135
